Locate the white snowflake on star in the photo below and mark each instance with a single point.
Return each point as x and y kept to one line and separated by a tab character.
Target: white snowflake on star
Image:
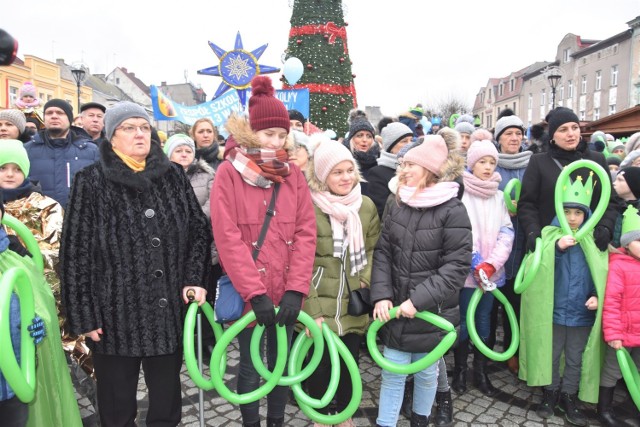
238	67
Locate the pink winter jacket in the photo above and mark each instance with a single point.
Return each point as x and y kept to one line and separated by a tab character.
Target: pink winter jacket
621	312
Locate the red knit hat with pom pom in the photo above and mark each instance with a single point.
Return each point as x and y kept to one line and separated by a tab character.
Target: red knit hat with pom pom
265	110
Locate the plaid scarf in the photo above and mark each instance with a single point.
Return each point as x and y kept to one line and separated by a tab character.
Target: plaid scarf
259	166
346	226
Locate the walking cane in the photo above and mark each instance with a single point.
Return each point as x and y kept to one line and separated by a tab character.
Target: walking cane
191	295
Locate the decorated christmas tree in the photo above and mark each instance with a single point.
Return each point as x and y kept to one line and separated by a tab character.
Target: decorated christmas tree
318	37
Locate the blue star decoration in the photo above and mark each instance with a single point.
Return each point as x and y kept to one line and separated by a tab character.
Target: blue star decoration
237	67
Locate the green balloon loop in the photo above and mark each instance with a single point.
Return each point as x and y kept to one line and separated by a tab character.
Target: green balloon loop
528	268
220	349
21	378
565	179
473	332
356	384
630	374
513	185
189	344
316	333
30	242
298	352
419	365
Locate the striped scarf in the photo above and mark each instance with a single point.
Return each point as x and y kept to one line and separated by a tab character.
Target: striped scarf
260	167
344	218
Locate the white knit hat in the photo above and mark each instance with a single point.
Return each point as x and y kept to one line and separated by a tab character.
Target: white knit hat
327	155
480	149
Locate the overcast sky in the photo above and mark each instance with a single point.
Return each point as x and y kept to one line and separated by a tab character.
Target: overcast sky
403	51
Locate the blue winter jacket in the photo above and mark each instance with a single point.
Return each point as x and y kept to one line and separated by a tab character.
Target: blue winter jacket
573	286
6	392
54	162
512	265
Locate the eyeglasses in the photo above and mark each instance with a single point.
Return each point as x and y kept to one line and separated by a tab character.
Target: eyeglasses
131	129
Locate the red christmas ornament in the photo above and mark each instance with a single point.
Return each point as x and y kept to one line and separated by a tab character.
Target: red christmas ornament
299	41
324	109
342	100
346	24
310	66
353	75
326	36
341	60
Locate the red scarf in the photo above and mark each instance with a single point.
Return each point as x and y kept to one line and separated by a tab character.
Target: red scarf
260	166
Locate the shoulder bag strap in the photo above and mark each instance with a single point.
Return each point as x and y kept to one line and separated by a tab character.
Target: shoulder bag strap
271	211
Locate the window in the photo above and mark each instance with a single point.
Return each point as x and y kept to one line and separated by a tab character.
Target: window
514	108
614	75
582	115
598	79
570	89
500	89
117	80
543	97
596	114
566	55
560	93
512	85
612	109
583	85
530	101
13	95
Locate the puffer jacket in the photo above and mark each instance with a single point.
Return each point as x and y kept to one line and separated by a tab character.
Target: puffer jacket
201	176
285	261
423	255
621	311
329	294
54	162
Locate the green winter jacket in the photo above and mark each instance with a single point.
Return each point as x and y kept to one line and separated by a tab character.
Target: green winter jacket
329	294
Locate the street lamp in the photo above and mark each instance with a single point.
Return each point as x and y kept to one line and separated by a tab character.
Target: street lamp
554	78
78	76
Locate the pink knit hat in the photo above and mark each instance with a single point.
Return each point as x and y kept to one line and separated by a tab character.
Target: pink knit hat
327	155
478	150
431	154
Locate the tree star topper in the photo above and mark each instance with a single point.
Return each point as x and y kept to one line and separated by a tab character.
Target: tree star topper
237	67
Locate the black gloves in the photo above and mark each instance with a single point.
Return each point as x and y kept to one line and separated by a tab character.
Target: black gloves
264	310
602	237
289	308
531	241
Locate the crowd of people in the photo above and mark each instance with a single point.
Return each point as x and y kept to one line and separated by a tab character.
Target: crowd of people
131	225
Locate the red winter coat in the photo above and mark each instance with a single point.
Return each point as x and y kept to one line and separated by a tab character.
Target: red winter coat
621	313
286	259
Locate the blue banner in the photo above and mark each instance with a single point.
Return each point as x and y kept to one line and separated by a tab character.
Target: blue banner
219	109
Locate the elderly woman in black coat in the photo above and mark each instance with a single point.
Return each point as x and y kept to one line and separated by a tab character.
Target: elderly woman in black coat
134	242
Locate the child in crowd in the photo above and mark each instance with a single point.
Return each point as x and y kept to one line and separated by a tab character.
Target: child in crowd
621	312
627	187
492	242
420	263
572	274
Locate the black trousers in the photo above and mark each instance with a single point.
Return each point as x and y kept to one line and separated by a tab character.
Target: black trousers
318	382
13	413
514	300
117	385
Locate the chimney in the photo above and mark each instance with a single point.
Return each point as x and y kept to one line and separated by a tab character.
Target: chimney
163	83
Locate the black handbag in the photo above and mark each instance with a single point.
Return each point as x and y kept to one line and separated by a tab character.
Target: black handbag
359	299
229	305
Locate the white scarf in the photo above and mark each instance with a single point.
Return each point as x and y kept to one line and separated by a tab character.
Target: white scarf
428	197
344	218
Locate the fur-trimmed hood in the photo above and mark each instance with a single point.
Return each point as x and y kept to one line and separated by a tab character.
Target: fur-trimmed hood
199	166
241	134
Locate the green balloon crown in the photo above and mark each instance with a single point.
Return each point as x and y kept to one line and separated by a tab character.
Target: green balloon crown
577	193
630	220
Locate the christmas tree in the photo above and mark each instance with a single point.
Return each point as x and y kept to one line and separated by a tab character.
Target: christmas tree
318	37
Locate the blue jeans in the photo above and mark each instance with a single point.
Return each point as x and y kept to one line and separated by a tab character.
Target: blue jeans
483	314
425	383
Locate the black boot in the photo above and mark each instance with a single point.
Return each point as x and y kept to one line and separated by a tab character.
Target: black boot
275	422
460	355
444	409
569	405
480	377
407	399
419	420
548	404
606	415
256	424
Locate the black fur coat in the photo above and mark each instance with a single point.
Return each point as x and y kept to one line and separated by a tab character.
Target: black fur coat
130	243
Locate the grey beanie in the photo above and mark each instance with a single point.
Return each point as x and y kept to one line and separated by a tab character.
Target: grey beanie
119	113
176	141
629	237
633	143
465	127
359	124
408	147
392	133
16	117
505	123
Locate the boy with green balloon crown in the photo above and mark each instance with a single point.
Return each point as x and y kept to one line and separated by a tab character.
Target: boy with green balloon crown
562	310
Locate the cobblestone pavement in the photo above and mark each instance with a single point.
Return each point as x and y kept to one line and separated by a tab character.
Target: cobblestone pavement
514	406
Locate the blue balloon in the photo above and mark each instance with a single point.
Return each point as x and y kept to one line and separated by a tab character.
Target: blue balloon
426	124
293	70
